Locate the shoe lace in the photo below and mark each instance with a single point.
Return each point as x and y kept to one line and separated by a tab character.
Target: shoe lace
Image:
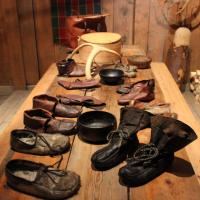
145	153
118	133
52	151
49	170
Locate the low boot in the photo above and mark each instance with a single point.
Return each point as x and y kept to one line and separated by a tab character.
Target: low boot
42	181
123	141
70	68
53	105
140	91
79	84
74	99
149	161
41	120
30	142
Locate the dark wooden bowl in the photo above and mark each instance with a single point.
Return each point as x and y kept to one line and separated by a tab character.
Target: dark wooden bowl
94	126
111	76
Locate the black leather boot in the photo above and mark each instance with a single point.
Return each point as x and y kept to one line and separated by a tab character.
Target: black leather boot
149	161
123	141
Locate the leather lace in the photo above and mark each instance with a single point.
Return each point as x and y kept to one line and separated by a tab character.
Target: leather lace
145	153
49	170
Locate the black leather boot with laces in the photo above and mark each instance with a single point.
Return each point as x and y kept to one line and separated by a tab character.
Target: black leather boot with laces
122	142
151	160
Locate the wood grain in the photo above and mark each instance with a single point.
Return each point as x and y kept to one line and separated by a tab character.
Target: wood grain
179	182
107	7
123	20
142	16
14	54
28	40
44	37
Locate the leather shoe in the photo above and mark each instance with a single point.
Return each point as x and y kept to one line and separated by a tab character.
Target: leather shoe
30	142
53	105
41	120
40	180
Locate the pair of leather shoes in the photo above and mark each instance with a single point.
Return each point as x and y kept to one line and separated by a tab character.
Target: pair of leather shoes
55	106
168	135
42	121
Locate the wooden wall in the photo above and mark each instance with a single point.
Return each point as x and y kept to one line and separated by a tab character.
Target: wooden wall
141	22
27	47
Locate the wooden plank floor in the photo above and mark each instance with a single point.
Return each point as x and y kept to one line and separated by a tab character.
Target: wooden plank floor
9	106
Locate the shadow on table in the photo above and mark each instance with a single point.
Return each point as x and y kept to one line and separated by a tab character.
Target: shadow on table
181	167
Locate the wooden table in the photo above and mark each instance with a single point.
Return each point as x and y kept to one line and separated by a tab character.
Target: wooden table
180	182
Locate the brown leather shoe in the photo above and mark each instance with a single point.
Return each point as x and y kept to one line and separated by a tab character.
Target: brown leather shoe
30	142
74	99
79	84
53	105
70	68
140	91
40	180
42	121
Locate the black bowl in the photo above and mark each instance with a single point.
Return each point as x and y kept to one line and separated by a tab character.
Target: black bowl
111	76
94	126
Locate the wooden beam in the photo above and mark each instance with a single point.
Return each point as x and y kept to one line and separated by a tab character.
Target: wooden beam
11	27
44	36
28	40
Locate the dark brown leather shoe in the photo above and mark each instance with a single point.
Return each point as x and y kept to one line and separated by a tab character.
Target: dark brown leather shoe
70	68
42	121
53	105
122	142
149	161
40	180
30	142
140	91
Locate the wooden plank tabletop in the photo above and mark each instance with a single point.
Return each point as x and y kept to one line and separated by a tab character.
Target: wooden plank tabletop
180	182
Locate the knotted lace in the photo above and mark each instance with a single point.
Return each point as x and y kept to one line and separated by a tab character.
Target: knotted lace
145	153
50	171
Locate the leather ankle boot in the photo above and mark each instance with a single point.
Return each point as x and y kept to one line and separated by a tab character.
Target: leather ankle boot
123	141
151	160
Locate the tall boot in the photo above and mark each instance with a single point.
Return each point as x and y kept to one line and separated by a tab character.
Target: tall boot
123	141
168	135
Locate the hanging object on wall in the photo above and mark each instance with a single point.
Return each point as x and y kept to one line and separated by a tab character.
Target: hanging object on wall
79	25
61	9
181	16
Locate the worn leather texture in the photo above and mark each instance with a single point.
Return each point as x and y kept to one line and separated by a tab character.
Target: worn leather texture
31	142
41	120
79	84
123	141
168	135
56	107
139	91
40	180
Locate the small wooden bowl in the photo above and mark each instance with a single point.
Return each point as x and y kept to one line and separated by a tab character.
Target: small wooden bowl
142	62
